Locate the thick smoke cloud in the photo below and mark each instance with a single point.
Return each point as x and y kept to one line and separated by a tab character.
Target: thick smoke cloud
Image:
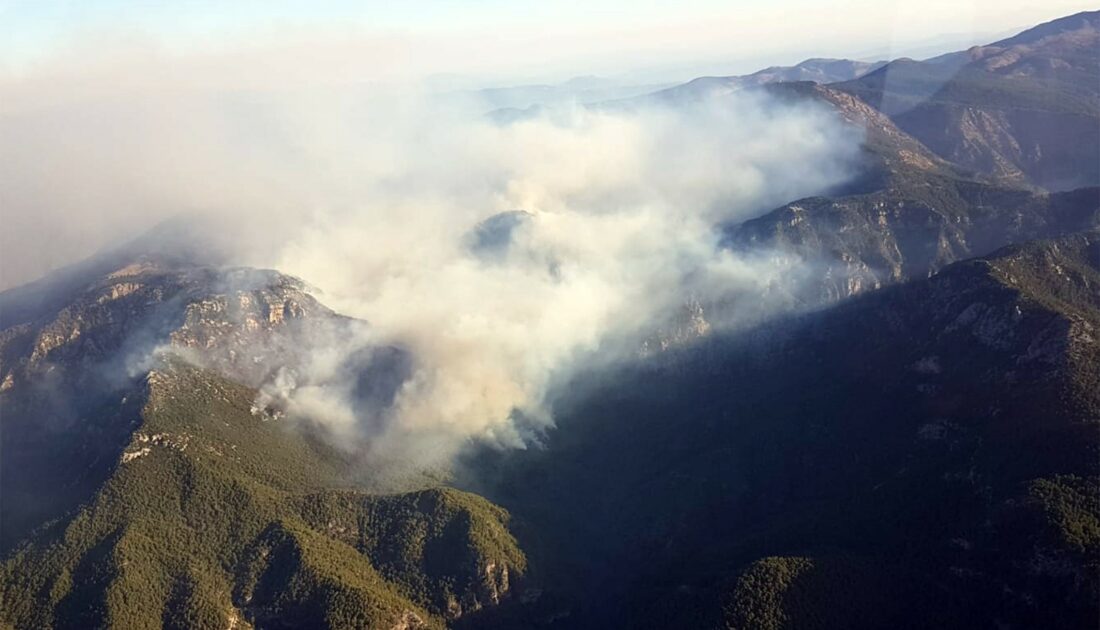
495	255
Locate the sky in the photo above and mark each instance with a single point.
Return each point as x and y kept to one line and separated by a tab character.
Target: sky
516	40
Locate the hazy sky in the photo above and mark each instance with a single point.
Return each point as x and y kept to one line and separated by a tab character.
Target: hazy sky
523	39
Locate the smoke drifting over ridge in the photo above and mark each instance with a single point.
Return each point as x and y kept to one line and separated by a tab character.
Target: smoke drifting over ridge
375	196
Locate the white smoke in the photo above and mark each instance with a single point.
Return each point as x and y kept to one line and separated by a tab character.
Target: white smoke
375	197
617	231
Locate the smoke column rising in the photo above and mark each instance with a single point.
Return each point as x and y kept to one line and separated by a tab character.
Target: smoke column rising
375	195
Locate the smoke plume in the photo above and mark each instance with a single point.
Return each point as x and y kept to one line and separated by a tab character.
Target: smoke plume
495	256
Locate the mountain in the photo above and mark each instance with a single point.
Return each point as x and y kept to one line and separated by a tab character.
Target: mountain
917	448
891	158
65	355
1017	108
578	90
1014	110
813	70
817	71
145	487
921	456
908	213
213	516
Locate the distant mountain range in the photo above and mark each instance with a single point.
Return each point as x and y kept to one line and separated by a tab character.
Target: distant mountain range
816	70
576	90
516	103
1013	109
916	445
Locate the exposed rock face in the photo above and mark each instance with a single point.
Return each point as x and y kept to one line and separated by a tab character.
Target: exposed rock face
865	242
409	621
687	325
230	317
142	444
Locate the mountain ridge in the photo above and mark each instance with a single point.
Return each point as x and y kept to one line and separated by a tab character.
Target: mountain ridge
991	107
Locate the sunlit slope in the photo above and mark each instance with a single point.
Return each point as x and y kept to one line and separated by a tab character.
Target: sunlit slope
216	516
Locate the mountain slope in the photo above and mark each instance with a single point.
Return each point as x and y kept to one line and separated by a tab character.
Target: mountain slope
216	516
891	157
1016	109
924	455
143	485
906	214
64	362
862	242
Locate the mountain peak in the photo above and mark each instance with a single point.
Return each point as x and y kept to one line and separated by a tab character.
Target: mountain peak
221	315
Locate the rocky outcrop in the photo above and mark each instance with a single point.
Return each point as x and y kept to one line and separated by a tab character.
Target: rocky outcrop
688	324
236	320
863	242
